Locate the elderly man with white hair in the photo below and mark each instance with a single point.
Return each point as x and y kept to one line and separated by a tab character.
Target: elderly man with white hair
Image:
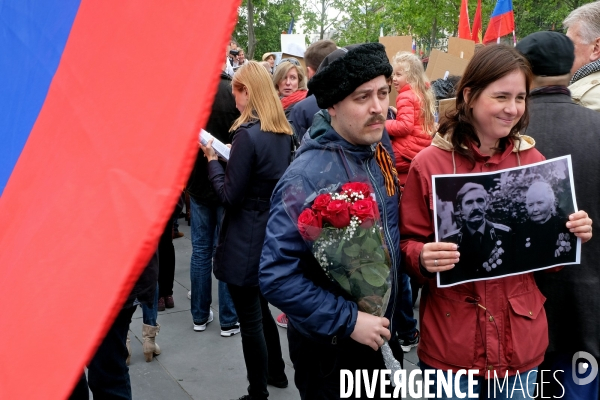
544	240
583	28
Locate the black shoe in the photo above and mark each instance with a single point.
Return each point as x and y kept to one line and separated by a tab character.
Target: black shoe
280	383
408	344
246	397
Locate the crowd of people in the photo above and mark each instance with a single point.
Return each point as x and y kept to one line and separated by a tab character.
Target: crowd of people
318	150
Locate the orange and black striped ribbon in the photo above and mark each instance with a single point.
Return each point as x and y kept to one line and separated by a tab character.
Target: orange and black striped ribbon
390	175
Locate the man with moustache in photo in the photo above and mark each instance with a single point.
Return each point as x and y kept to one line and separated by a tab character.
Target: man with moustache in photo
484	246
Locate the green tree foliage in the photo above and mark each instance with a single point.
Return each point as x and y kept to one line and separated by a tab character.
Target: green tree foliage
362	24
430	22
271	17
542	15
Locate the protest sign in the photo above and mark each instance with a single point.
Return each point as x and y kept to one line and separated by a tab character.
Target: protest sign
440	62
461	48
394	44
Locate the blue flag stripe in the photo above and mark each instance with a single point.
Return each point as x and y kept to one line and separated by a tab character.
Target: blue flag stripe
502	7
33	35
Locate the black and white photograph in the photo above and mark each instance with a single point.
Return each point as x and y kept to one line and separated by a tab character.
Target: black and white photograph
507	222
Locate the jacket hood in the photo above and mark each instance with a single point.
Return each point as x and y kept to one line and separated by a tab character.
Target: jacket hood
321	135
444	142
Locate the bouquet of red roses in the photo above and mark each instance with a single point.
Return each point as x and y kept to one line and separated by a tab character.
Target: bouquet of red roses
345	229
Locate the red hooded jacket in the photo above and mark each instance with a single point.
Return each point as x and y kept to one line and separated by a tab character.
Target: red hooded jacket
406	131
490	325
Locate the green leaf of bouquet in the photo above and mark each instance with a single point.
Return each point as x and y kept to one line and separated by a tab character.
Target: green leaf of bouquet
376	275
370	245
342	280
378	255
352	251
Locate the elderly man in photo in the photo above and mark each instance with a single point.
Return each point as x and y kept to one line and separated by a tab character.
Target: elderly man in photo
347	143
543	240
583	28
484	246
561	127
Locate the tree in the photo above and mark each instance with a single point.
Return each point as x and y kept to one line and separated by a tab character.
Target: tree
540	15
250	28
362	24
316	15
260	23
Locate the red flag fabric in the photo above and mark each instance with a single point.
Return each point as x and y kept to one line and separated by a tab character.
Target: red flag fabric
99	175
502	21
464	27
477	30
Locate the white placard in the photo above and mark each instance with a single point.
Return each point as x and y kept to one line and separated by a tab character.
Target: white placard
293	44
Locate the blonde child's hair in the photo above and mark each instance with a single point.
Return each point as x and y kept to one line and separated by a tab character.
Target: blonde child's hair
263	102
414	72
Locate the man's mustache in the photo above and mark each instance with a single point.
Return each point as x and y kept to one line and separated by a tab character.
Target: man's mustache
375	119
476	213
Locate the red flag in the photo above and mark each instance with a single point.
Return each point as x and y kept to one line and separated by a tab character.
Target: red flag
477	30
108	149
464	27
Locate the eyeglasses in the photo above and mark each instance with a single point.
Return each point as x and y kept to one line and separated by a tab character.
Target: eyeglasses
290	60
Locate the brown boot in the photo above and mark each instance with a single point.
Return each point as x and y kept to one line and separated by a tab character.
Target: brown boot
128	344
149	345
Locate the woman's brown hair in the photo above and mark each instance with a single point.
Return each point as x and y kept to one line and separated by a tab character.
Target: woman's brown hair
263	103
491	63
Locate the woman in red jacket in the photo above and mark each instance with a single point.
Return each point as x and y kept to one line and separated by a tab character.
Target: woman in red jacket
413	127
494	326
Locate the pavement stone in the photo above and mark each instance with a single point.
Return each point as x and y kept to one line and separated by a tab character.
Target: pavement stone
199	365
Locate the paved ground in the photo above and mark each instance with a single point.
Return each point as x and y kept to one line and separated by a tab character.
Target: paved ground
198	365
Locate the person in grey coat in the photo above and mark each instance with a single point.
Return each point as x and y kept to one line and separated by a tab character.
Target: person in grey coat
561	127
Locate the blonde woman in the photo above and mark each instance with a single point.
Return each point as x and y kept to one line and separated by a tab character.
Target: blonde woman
260	153
290	82
413	127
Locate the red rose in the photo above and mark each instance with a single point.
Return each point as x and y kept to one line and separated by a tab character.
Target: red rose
321	202
357	187
337	213
366	211
309	224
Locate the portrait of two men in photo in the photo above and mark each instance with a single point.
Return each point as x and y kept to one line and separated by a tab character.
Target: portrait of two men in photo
507	222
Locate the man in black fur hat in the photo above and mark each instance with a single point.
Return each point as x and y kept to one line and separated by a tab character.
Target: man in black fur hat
326	331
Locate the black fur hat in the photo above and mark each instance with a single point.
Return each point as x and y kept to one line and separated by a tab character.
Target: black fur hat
334	82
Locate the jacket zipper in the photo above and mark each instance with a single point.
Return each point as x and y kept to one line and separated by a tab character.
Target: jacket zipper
388	237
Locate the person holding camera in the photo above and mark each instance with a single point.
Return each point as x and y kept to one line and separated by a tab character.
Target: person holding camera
229	57
233	58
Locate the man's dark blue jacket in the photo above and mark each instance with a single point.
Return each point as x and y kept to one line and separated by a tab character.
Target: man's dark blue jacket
302	114
289	276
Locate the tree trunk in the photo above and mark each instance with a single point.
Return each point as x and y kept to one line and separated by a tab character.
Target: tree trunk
322	31
251	37
433	33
